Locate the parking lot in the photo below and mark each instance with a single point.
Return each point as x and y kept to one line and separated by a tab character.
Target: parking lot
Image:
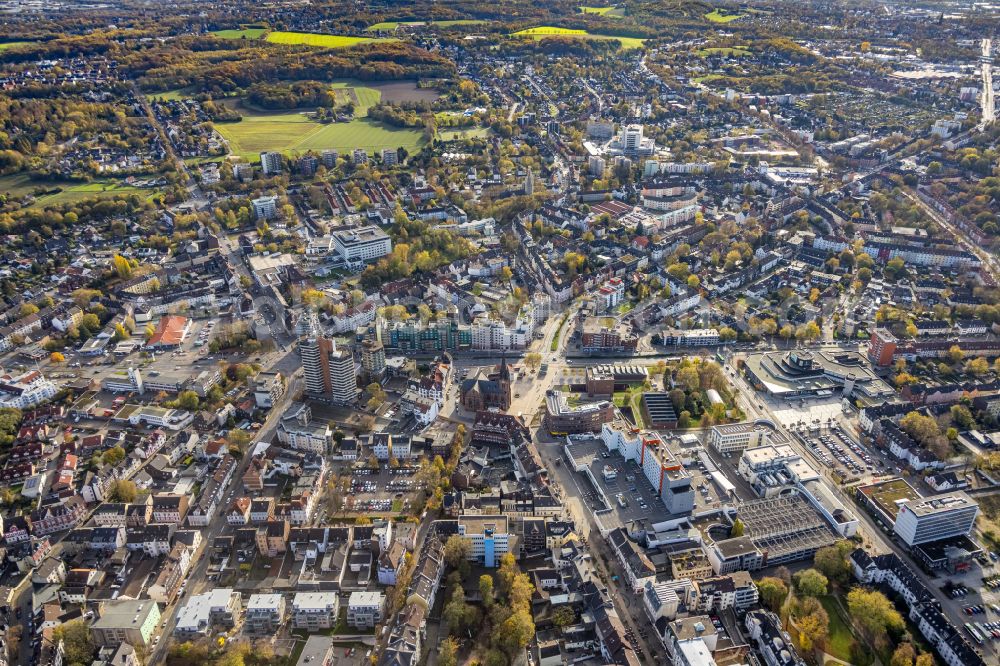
629	494
384	491
836	449
975	596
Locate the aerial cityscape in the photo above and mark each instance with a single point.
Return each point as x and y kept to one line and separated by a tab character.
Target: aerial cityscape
525	333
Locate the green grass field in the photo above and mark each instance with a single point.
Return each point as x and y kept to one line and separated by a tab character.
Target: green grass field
544	31
247	33
841	637
707	77
613	12
13	45
453	133
291	131
715	16
316	39
723	50
392	25
20	185
170	95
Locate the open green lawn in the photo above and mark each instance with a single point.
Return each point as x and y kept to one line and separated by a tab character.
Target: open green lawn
715	16
613	12
13	45
170	95
392	25
734	51
452	133
707	77
290	131
544	31
246	33
317	39
19	185
839	642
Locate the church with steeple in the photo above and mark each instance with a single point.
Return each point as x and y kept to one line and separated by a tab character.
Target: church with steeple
491	391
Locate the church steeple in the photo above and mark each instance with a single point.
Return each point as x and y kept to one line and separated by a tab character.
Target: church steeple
504	369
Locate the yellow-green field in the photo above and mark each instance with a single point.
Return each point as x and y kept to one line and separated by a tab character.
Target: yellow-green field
613	12
317	39
715	16
13	45
732	51
170	95
385	26
544	31
247	33
291	131
20	185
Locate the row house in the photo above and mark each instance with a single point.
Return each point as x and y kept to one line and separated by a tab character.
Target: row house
59	517
154	540
29	451
14	472
168	582
16	529
272	538
239	512
168	508
924	609
110	514
79	585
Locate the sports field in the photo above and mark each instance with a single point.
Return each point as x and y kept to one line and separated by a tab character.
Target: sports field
544	31
613	12
292	131
247	33
717	17
316	39
392	25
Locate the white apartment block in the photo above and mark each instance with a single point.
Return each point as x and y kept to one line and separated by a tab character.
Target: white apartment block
365	609
25	390
493	334
313	611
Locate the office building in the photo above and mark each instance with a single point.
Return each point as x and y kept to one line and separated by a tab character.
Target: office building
363	244
329	372
489	536
933	518
659	465
738	436
562	418
270	162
